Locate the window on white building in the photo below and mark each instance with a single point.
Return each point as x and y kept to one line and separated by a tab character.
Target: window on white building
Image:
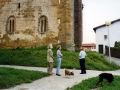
105	37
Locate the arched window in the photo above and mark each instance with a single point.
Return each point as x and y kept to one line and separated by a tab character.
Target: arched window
42	24
11	25
59	1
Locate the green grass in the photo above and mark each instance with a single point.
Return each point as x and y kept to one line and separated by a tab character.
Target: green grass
10	77
37	57
90	83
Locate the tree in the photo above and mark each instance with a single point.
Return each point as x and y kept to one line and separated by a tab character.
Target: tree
117	44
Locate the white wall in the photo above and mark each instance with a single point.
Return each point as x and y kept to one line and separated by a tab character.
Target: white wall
114	35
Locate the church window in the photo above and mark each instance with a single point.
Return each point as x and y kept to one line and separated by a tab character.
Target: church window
42	24
59	21
11	25
59	1
19	5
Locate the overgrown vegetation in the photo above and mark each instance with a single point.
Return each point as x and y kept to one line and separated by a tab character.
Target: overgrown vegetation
117	44
90	84
10	77
37	57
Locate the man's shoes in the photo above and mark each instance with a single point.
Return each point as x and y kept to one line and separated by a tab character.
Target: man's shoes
50	73
82	73
58	74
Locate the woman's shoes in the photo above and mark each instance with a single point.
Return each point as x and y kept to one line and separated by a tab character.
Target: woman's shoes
58	74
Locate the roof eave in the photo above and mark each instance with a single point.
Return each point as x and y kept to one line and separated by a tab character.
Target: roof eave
105	25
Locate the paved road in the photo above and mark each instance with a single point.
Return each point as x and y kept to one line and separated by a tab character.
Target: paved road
55	82
113	59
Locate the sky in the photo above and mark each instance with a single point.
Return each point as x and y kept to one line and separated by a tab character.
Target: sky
95	13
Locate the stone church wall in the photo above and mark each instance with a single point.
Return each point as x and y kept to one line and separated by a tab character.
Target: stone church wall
20	23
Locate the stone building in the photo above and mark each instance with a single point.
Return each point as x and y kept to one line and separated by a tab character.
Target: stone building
33	23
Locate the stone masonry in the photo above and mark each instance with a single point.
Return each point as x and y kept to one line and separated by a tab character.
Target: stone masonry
33	23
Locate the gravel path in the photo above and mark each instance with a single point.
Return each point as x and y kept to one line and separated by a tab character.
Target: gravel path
55	82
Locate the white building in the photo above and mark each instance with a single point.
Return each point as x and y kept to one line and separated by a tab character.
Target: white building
102	35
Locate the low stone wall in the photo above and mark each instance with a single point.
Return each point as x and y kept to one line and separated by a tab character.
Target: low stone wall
115	52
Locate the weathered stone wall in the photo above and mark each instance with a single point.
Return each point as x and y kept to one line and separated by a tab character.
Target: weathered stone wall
60	23
26	23
78	23
66	27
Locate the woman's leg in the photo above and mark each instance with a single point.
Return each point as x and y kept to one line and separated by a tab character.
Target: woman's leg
58	65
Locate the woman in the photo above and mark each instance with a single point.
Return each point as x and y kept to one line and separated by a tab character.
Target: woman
50	59
59	58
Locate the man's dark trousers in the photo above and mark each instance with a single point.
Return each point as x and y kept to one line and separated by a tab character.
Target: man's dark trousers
82	65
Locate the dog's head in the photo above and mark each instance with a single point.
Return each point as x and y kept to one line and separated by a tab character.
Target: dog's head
67	72
72	73
111	78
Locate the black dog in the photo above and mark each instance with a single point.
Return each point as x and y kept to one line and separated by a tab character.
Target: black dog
107	76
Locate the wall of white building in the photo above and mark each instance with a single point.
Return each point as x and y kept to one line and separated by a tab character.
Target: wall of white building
114	35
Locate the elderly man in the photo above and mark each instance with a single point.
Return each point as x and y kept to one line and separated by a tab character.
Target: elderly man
81	57
50	59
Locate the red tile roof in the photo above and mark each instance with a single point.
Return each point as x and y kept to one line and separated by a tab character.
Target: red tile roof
89	45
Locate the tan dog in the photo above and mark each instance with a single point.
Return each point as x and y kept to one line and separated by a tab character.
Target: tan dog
68	73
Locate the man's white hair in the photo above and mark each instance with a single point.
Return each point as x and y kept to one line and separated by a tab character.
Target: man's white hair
50	46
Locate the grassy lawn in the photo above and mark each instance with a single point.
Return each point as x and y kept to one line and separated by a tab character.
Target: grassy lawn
10	77
37	58
89	84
